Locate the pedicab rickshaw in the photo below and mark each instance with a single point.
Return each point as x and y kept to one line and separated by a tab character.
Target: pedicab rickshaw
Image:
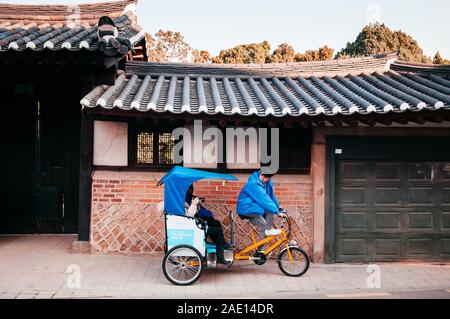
187	251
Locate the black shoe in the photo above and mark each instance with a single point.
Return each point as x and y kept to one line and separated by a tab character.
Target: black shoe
221	258
224	262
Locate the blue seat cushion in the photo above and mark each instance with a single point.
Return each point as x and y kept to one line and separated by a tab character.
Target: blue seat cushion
210	247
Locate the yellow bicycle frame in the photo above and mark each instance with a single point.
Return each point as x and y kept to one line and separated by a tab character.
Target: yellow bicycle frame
282	238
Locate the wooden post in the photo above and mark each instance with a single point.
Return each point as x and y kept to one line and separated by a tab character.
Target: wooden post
86	161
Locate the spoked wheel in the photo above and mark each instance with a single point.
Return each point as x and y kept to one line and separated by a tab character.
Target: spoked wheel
182	265
293	262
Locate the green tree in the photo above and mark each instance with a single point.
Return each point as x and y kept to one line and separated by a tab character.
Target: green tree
378	39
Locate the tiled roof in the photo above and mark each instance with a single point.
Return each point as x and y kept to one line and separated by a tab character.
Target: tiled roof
334	67
57	27
441	69
285	90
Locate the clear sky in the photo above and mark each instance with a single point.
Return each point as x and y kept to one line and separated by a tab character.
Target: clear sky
215	25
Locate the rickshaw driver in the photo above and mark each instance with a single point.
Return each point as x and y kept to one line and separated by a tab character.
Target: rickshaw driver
257	202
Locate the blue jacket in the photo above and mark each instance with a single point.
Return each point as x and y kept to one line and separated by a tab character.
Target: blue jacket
256	198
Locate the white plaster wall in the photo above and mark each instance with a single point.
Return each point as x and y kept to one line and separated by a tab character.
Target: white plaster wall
194	148
238	152
110	143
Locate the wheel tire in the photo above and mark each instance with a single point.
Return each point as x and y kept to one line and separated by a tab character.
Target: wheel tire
189	279
295	251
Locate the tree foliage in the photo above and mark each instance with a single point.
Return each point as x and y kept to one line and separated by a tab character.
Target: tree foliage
438	59
322	54
283	53
201	56
167	46
260	53
379	39
245	53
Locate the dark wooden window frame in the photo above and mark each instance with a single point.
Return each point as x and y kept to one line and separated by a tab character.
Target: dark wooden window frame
133	130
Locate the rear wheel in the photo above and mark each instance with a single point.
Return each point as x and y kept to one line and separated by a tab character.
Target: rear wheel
293	261
182	265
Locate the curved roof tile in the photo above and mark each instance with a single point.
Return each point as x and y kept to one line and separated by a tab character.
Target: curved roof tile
230	90
71	27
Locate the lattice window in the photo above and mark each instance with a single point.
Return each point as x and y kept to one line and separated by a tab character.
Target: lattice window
154	148
165	147
144	148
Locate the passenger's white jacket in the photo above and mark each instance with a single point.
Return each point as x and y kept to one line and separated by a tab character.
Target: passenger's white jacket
190	210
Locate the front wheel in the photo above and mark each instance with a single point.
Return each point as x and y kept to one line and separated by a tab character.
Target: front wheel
293	261
182	265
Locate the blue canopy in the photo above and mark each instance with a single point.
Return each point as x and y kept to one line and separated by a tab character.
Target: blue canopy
177	182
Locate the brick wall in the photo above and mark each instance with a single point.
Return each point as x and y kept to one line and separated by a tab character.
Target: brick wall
124	218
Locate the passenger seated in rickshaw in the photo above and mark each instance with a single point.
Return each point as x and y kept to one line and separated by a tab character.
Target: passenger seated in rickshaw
214	230
258	204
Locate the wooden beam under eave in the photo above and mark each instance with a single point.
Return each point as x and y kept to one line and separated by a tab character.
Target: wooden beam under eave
369	122
304	124
435	119
337	123
387	122
320	123
352	123
419	120
402	120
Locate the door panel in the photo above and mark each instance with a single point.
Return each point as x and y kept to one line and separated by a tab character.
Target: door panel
392	210
42	163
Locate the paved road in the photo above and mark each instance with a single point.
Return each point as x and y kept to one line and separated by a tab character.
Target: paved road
38	266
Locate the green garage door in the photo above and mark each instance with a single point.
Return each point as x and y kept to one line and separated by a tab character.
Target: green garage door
392	210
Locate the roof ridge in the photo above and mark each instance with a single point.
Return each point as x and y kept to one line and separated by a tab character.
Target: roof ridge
59	13
415	67
332	67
